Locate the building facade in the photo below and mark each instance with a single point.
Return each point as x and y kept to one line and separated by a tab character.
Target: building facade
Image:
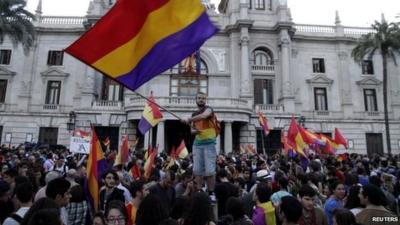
260	60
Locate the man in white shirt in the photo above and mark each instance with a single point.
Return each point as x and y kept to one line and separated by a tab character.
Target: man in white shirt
24	193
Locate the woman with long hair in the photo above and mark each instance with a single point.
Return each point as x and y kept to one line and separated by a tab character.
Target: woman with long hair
200	211
353	201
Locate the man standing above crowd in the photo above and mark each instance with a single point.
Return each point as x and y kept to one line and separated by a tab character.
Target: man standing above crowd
204	151
311	215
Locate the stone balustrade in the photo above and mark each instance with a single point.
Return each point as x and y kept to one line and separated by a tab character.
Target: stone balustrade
268	108
263	68
107	105
314	30
228	103
62	20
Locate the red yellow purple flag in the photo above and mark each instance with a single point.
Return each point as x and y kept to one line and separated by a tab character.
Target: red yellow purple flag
295	139
138	40
339	139
181	151
123	153
96	165
263	122
151	115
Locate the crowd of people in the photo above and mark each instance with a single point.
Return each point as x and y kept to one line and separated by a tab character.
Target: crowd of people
47	186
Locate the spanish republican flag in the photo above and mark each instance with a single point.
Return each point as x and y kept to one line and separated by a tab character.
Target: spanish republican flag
182	151
339	139
139	39
150	117
96	165
263	123
295	139
123	153
148	165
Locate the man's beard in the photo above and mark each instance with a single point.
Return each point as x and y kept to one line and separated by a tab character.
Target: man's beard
200	105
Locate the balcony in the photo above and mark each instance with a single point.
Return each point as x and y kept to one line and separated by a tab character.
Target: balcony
270	108
189	103
50	107
263	68
107	105
323	114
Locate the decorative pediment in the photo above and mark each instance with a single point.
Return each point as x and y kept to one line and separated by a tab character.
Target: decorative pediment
54	73
6	72
320	80
369	81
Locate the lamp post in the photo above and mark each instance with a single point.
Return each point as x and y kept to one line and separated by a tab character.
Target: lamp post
302	121
71	122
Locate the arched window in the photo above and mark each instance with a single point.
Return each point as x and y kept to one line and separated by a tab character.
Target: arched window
185	81
262	57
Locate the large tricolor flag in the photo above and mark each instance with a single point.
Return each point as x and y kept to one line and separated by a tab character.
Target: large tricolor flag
139	39
151	115
150	161
263	122
96	165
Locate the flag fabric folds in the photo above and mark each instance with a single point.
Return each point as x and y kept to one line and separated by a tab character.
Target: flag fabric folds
123	153
263	122
82	134
148	165
181	150
150	117
96	165
295	139
137	40
339	139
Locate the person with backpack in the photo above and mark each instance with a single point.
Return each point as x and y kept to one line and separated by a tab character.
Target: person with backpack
205	126
24	193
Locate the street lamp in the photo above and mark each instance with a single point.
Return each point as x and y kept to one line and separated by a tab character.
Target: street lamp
302	121
71	122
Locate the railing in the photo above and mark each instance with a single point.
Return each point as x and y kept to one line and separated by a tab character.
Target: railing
373	113
263	68
322	113
325	30
107	105
357	31
191	102
308	28
50	107
270	107
63	20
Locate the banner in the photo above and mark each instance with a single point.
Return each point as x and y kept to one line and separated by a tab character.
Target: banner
79	145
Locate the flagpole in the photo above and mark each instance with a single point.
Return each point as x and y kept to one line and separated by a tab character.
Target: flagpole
262	139
173	114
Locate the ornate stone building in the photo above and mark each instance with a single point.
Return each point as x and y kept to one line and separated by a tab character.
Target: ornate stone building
259	60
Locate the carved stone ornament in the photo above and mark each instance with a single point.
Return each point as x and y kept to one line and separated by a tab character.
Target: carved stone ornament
320	80
369	81
219	55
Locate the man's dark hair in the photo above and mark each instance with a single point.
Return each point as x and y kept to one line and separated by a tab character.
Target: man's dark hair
11	172
135	187
115	175
374	194
291	208
307	190
283	182
333	185
375	180
263	192
58	186
24	192
4	187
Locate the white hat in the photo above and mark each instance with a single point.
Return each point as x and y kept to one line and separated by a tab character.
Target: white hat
263	175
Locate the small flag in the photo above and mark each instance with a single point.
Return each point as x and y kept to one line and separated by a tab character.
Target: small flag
96	165
339	139
181	150
263	122
148	165
295	139
123	153
135	172
151	115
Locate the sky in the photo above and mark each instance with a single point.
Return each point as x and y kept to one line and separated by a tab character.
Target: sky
351	12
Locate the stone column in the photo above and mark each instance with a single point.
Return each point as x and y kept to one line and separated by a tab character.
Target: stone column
161	136
228	136
146	140
245	65
287	93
